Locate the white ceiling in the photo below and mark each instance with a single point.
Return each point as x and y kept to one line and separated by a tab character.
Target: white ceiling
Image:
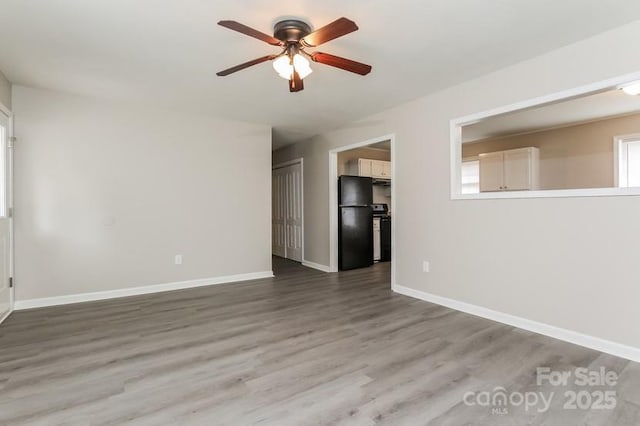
386	145
167	52
597	106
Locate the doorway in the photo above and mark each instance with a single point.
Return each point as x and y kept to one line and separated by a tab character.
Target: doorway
363	159
287	216
6	261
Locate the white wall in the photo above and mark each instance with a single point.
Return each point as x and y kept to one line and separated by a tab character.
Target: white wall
5	91
106	195
571	263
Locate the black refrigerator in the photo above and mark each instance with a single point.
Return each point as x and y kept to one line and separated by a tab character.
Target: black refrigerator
355	222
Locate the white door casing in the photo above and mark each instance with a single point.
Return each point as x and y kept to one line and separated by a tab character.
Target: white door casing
6	292
333	201
287	211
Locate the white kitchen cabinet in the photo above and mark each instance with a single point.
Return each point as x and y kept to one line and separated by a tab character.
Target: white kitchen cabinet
365	167
370	168
491	171
377	168
386	169
511	170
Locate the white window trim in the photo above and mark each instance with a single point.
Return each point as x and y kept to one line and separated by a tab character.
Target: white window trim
474	159
618	153
456	145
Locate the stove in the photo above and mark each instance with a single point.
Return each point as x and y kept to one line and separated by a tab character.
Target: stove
381	233
380	210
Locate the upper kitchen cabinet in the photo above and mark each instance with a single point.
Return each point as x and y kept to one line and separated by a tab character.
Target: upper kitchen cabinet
370	168
381	169
386	169
510	170
365	167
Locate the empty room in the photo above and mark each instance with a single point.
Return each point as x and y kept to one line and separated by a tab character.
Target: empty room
302	213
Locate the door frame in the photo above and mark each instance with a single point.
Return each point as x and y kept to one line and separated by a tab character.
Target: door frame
300	161
9	176
333	200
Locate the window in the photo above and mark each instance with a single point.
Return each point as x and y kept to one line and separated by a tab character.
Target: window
470	176
628	156
575	162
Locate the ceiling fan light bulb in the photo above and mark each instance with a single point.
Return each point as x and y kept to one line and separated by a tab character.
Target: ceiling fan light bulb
300	61
283	67
632	89
301	65
304	72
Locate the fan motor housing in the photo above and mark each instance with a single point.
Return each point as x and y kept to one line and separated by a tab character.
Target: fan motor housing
291	30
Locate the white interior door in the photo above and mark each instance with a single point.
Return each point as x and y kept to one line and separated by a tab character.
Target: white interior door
278	204
6	292
287	216
293	179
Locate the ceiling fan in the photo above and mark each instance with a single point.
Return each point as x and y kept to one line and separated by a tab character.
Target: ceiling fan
294	36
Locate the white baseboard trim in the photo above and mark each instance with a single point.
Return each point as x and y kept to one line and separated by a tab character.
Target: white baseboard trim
5	316
591	342
313	265
135	291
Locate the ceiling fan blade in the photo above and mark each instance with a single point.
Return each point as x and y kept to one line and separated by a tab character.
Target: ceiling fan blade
295	83
246	65
336	29
342	63
241	28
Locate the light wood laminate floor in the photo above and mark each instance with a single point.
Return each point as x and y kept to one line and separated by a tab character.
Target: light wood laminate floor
302	348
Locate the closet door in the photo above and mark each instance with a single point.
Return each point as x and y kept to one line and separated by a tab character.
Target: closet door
287	216
278	205
293	218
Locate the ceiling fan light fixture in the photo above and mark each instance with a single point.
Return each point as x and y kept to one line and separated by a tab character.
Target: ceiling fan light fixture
293	36
283	66
632	89
301	64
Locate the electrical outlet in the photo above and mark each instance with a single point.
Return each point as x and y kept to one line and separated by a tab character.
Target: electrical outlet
178	259
425	266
